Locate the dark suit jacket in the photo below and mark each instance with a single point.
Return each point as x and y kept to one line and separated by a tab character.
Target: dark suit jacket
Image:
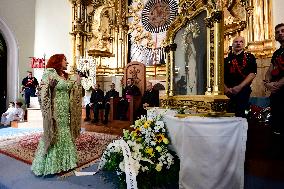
132	90
111	93
151	97
97	96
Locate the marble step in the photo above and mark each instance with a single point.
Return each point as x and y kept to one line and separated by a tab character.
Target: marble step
34	102
30	124
34	114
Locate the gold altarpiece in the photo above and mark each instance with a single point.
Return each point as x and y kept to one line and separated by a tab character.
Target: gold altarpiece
225	19
100	29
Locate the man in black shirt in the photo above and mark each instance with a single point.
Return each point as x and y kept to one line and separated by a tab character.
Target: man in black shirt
112	93
274	82
239	71
29	85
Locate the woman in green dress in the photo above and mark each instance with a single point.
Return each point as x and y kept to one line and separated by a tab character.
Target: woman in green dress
60	100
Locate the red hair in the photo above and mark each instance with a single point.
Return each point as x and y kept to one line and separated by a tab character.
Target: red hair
55	61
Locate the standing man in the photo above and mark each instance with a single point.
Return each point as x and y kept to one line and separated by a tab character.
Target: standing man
239	71
274	82
112	93
29	85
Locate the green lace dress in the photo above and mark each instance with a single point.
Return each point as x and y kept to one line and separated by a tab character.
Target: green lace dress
60	156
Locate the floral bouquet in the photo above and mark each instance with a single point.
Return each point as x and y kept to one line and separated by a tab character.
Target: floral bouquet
142	157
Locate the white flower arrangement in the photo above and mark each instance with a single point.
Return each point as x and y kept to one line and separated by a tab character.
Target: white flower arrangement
148	144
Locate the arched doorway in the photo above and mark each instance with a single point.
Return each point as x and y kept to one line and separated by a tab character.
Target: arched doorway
3	74
12	63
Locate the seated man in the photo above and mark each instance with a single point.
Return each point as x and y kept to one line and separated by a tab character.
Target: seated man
149	99
6	116
19	113
96	103
129	90
112	93
13	114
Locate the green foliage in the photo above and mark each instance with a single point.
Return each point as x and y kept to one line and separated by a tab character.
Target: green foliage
114	159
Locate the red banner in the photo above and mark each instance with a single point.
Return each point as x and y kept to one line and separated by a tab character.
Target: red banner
37	62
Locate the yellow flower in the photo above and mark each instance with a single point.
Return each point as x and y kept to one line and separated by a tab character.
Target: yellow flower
160	137
166	141
159	167
158	148
135	133
147	124
149	151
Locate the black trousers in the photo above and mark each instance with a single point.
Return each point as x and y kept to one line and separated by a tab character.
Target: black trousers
277	106
96	109
107	108
88	111
240	102
29	92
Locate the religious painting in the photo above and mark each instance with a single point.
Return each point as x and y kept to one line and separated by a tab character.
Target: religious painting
190	57
148	25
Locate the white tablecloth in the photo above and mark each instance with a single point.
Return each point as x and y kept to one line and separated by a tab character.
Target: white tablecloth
211	151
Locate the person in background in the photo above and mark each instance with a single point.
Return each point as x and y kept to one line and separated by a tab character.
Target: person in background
129	90
112	93
60	97
239	71
274	82
19	113
7	116
181	86
13	113
96	102
149	99
29	85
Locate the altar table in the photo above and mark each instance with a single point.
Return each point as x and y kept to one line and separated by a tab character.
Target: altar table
211	151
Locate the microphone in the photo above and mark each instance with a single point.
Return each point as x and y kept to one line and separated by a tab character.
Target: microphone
82	74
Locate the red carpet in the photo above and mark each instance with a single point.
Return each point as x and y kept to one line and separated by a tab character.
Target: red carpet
90	146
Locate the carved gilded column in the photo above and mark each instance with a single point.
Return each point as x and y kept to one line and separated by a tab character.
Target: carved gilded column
79	27
267	15
173	48
218	19
260	35
209	25
249	10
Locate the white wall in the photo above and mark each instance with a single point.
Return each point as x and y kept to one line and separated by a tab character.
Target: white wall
18	16
37	27
52	26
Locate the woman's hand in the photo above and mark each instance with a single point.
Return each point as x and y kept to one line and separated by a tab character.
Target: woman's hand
78	78
52	82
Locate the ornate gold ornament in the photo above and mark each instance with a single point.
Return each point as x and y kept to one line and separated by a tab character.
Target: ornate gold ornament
148	22
212	98
99	30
